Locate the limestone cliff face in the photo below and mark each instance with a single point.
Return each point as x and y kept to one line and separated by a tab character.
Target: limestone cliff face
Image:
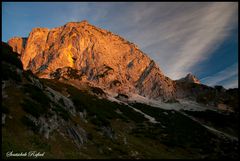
18	44
87	53
33	55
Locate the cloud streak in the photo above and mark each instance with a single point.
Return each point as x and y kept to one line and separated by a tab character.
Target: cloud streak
231	83
227	77
178	35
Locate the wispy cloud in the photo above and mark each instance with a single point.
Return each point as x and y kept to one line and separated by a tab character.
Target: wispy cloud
231	83
227	77
175	35
178	35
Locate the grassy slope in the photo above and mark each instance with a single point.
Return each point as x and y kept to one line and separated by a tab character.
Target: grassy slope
182	132
17	137
181	137
176	137
227	123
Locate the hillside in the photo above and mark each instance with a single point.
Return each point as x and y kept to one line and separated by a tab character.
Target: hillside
48	115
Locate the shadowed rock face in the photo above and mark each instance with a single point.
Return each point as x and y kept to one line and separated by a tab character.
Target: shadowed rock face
190	79
99	56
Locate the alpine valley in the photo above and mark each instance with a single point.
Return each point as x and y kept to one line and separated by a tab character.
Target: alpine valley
82	92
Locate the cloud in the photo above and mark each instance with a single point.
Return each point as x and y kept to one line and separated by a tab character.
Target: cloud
231	83
227	77
177	35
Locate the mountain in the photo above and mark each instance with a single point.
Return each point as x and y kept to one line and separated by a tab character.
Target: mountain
216	97
64	122
190	79
79	54
78	91
96	56
17	44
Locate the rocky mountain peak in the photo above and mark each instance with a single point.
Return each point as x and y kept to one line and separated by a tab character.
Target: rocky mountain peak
190	78
84	22
40	29
18	44
95	55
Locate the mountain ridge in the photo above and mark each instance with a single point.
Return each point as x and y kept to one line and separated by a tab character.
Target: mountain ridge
80	53
89	50
190	78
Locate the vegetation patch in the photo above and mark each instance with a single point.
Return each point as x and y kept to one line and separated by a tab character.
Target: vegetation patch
106	71
176	126
9	56
9	72
73	73
33	108
5	109
215	119
40	144
100	121
205	98
38	95
61	101
62	112
103	109
27	74
30	124
68	71
97	91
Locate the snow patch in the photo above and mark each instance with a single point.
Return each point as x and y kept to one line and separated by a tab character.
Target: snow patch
215	131
183	104
150	118
112	99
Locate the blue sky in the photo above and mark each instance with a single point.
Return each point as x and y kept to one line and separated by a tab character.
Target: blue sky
182	37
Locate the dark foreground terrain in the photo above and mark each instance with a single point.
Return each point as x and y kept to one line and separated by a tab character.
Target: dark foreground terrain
66	122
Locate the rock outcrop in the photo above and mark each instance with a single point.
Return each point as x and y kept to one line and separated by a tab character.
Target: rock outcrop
17	44
190	79
97	56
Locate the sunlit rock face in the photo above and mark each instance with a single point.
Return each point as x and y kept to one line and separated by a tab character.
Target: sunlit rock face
93	55
18	44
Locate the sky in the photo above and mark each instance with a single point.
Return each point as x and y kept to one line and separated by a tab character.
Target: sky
181	37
